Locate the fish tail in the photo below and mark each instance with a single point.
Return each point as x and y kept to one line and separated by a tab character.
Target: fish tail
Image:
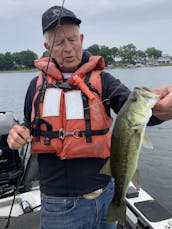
117	213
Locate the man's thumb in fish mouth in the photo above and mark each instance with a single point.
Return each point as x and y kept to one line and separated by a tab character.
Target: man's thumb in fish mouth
163	91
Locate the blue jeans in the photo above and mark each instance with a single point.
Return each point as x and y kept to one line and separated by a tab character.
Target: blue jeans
77	212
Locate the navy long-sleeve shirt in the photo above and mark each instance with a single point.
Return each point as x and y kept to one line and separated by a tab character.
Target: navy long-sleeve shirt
82	175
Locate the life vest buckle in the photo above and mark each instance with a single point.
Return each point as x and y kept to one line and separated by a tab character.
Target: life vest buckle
74	133
47	141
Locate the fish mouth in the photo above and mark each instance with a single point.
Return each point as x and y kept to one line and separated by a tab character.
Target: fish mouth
147	96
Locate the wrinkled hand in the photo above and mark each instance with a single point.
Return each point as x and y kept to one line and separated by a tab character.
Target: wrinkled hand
163	109
18	136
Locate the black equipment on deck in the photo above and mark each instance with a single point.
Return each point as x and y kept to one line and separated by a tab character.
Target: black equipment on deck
10	160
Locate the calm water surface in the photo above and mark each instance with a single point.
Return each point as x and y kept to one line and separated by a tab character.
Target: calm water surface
155	165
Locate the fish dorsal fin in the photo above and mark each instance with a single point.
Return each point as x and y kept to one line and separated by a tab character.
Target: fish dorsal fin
147	143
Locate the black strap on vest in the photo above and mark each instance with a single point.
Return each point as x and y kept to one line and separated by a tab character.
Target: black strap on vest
41	94
63	85
90	86
87	111
89	132
62	133
37	130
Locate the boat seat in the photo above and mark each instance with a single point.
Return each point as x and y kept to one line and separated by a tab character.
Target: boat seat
153	211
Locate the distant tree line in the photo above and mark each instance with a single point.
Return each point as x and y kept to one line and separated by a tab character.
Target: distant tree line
17	60
126	54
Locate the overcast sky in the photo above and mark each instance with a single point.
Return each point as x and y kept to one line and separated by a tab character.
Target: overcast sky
145	23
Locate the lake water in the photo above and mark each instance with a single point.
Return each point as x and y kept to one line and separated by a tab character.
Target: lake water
155	165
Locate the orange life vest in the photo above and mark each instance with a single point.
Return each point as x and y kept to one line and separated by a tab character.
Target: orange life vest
71	138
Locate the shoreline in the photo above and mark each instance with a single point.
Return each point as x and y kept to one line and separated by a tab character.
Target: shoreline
138	66
20	70
106	67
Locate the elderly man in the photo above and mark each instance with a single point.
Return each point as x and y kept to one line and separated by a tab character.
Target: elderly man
67	121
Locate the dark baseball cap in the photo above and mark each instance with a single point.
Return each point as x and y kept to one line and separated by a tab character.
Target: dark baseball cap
51	16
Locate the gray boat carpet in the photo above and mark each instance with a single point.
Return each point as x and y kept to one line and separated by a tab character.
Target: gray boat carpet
26	221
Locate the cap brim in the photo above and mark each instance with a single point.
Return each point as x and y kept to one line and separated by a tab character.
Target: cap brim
53	23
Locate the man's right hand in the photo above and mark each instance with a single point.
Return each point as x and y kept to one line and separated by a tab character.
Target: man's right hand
18	136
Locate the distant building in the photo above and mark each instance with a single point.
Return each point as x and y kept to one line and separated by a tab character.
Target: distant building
165	59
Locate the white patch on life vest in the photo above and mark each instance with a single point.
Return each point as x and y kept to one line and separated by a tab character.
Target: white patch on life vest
51	105
74	105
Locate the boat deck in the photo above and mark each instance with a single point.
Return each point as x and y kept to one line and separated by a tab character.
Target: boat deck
26	221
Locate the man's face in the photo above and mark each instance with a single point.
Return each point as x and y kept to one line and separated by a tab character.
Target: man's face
67	48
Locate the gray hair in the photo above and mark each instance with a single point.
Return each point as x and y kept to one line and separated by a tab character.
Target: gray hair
49	34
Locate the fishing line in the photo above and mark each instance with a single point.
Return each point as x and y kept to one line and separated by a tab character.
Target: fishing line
43	92
44	75
105	100
16	188
54	38
95	104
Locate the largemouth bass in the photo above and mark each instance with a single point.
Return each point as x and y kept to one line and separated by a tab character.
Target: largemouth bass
127	138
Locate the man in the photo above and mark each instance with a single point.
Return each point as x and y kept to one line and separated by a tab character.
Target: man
67	112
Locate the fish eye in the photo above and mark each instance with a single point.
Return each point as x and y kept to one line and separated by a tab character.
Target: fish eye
133	99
